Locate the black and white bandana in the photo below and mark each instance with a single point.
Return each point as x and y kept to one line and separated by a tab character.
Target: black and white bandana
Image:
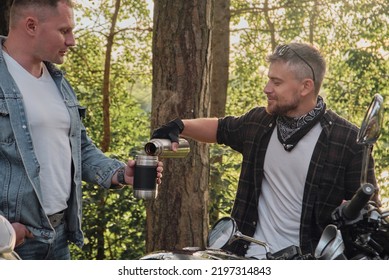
291	130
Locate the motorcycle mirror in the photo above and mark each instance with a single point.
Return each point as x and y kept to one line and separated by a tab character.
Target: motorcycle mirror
221	233
225	231
371	124
370	131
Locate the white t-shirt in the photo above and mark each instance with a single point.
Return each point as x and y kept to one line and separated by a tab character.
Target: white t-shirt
280	202
49	124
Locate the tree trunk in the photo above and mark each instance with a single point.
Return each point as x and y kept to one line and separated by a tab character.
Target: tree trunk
219	81
106	139
314	12
220	56
5	6
181	77
270	23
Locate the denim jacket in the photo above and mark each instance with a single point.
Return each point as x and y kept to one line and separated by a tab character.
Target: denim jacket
20	189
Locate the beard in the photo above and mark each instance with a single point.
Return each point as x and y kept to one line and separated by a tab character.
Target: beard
279	109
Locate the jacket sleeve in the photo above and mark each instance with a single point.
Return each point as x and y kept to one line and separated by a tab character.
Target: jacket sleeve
97	168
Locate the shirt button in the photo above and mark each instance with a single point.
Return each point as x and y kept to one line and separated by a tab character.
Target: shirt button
254	223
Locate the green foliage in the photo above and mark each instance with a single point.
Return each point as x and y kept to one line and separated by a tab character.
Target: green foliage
350	86
116	215
113	221
225	167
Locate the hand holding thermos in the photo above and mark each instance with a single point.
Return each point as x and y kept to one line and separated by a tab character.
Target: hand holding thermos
145	185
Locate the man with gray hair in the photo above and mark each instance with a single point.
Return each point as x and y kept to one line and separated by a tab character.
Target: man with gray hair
300	160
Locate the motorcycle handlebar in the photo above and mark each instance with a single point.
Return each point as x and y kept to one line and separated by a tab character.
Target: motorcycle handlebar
353	208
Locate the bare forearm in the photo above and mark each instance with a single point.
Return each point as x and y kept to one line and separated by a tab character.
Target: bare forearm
202	129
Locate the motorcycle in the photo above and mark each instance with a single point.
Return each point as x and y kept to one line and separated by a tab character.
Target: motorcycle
360	229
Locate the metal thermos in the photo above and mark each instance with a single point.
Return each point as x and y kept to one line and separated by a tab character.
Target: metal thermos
145	177
163	148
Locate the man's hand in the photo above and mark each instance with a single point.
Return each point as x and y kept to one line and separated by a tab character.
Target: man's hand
129	172
171	130
21	233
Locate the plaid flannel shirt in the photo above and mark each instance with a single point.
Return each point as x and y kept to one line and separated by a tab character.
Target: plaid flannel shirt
334	172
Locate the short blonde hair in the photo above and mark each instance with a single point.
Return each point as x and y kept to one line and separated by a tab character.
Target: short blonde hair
18	6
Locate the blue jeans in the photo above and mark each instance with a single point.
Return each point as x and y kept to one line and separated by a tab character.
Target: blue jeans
33	249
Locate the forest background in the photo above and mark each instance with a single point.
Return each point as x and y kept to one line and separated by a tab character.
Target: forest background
114	70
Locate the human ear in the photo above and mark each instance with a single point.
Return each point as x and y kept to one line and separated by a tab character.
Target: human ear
308	86
31	25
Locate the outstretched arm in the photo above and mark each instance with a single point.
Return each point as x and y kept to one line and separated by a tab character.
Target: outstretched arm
201	129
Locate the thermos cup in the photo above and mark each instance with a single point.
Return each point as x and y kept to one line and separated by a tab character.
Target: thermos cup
145	177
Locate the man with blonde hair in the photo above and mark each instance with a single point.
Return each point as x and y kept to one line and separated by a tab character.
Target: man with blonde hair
45	152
